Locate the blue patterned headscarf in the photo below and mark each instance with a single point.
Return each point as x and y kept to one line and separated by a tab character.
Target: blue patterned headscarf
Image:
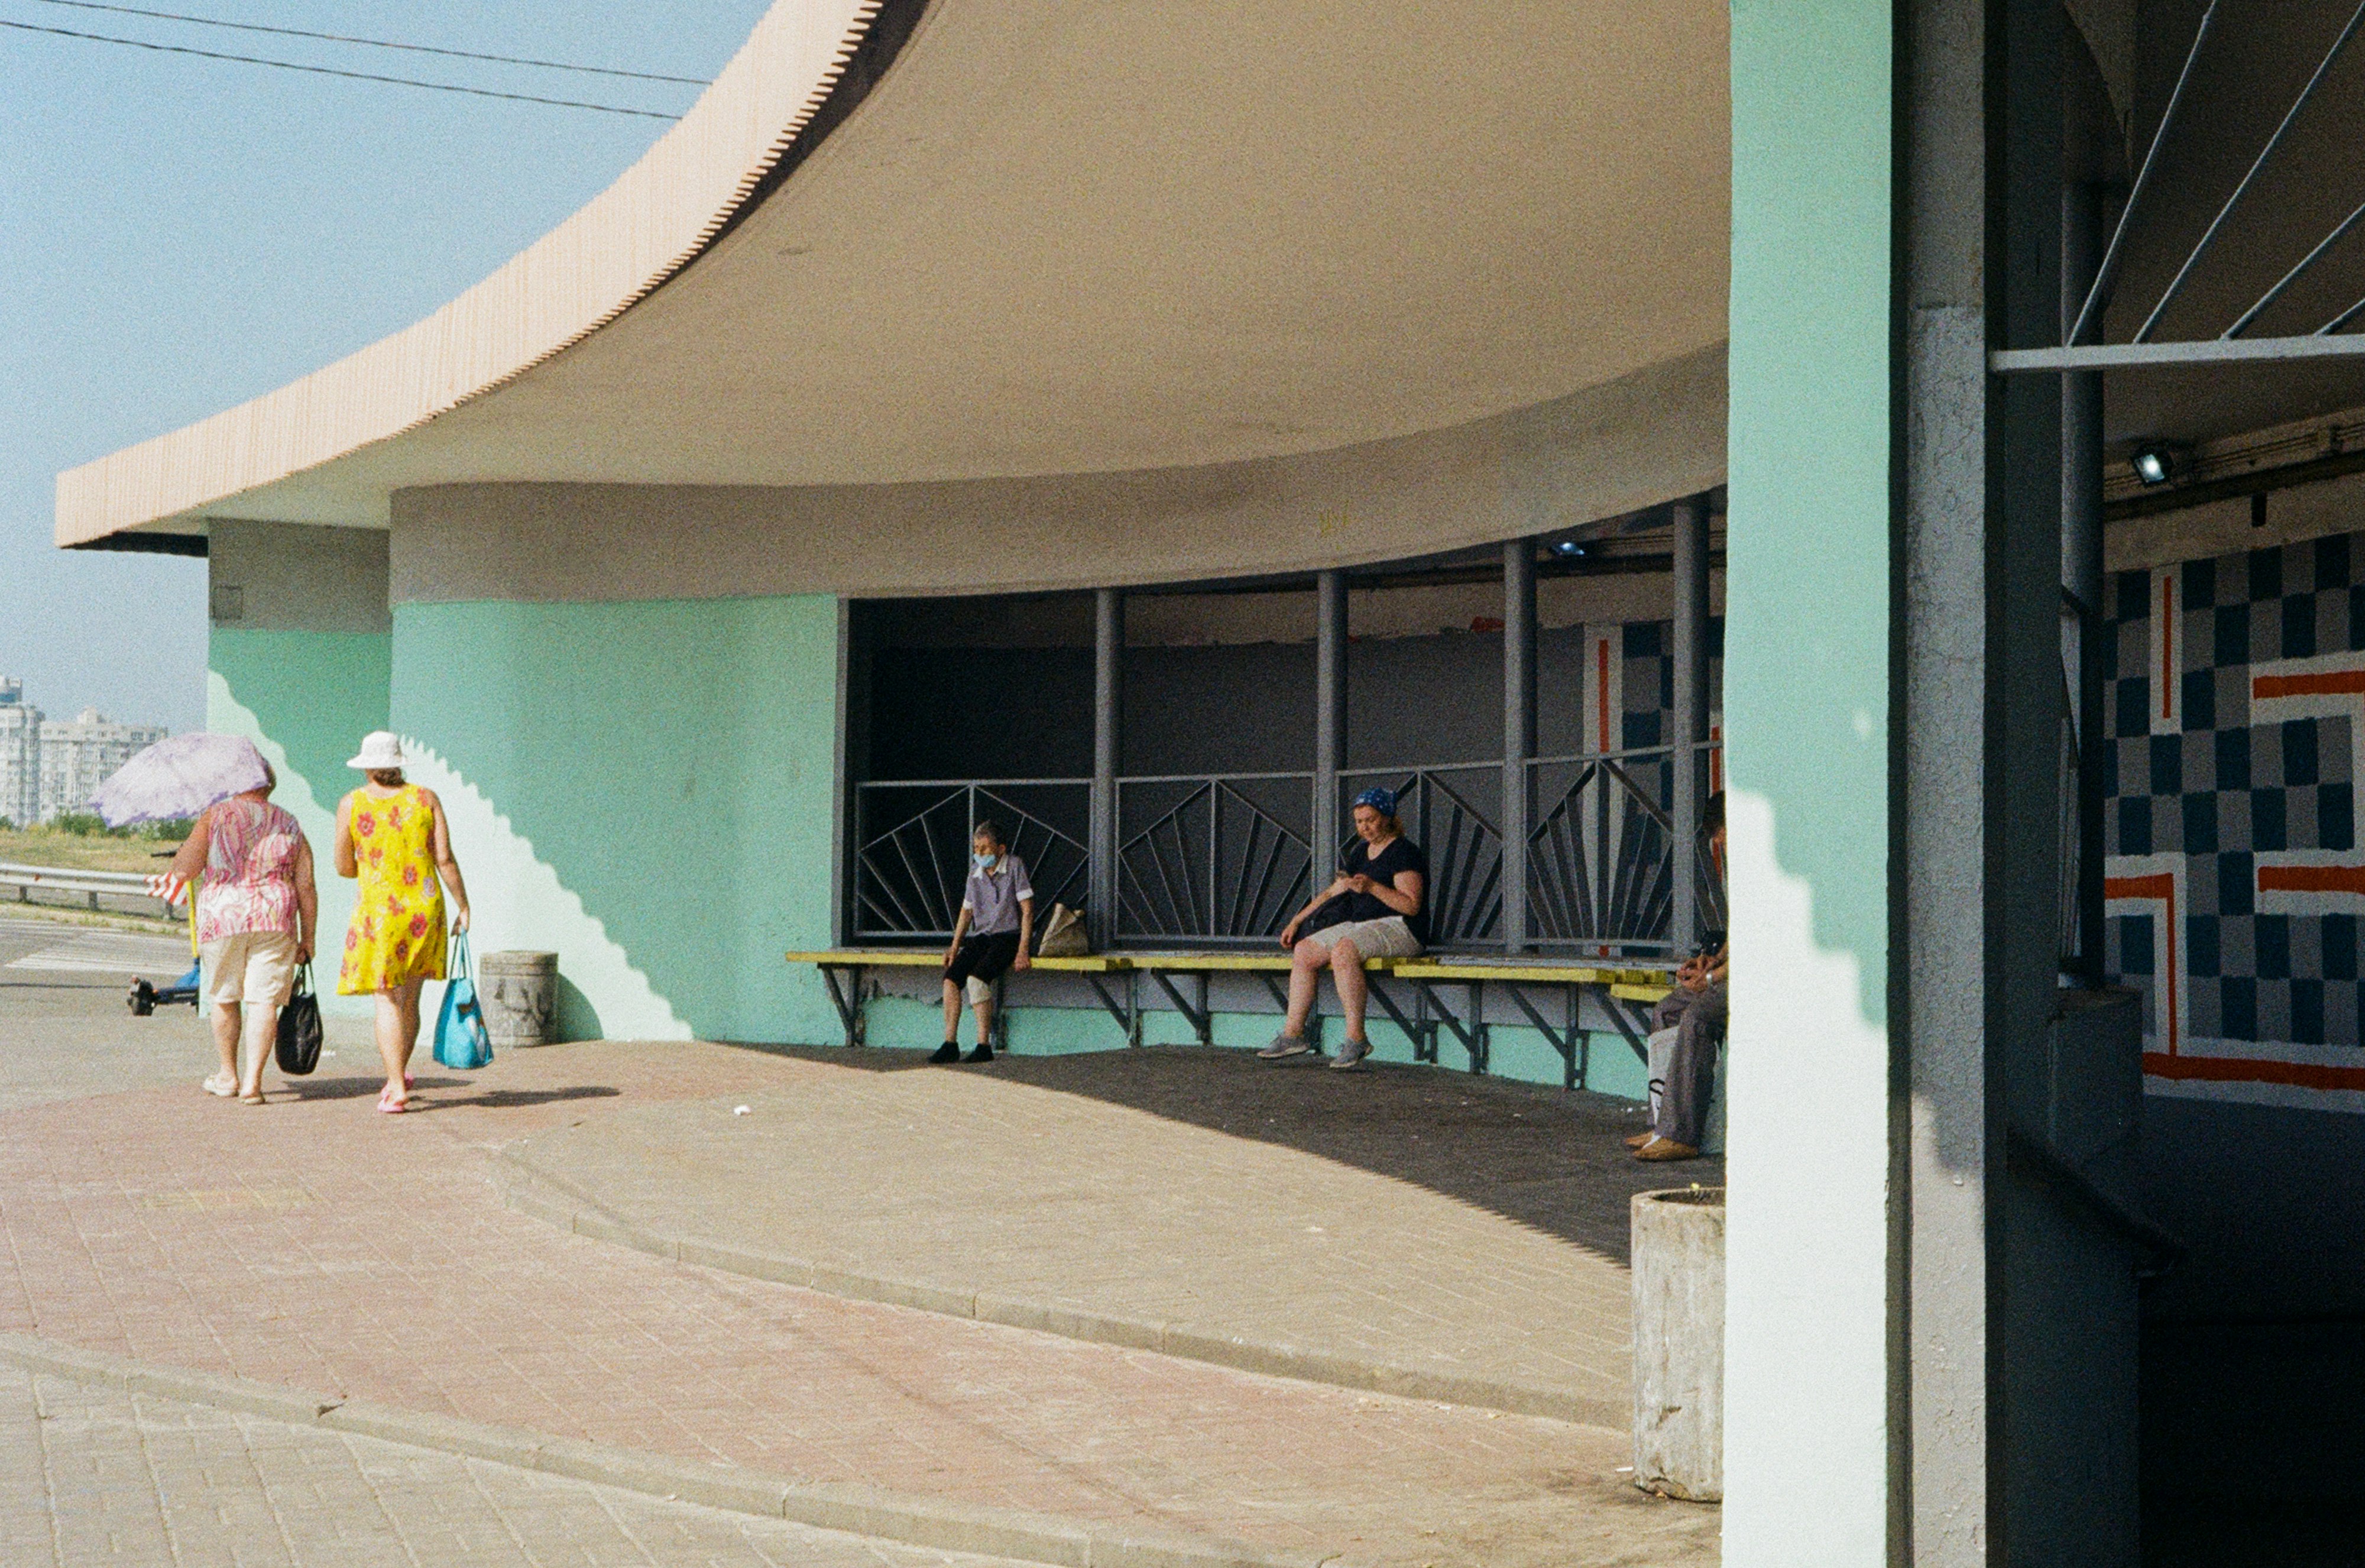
1381	801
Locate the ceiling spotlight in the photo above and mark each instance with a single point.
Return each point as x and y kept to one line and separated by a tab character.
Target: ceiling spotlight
2154	463
1568	547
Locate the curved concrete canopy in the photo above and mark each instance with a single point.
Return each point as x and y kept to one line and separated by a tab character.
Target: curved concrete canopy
1056	239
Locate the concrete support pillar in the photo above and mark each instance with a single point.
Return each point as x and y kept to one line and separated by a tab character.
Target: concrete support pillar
1329	719
1947	1159
1518	732
1109	675
1690	637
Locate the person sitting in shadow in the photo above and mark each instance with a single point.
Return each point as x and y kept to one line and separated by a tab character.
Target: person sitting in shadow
1697	1010
990	937
1374	908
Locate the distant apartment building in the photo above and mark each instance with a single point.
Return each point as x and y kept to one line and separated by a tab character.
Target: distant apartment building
77	754
21	754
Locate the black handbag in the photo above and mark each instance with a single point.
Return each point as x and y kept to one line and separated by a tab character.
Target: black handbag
298	1046
1333	912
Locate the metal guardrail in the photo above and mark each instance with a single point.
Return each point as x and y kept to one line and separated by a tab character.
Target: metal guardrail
92	885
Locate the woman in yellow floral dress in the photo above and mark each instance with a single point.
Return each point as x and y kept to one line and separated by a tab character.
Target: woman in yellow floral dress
392	834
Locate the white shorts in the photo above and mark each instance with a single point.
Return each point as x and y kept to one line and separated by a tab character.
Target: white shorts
1387	937
257	967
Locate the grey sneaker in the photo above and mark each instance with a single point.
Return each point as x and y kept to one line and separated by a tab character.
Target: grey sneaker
1351	1054
1285	1046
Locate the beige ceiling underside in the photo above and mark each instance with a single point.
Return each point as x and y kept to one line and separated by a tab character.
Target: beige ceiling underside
1065	238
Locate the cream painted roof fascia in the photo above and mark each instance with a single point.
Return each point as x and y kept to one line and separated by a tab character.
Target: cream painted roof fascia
620	246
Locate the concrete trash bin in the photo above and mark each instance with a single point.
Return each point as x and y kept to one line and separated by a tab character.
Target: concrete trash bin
520	993
1679	1238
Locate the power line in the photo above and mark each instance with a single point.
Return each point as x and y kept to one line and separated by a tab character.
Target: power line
329	70
376	43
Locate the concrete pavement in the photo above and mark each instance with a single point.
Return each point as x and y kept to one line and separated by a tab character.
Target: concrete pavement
91	1475
1401	1229
313	1246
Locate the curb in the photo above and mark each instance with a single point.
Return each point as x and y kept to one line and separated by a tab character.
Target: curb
532	1191
836	1505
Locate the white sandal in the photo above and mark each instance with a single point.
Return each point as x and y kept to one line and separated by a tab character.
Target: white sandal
220	1084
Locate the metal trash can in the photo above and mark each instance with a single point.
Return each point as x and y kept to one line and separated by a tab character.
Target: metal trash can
1679	1238
520	994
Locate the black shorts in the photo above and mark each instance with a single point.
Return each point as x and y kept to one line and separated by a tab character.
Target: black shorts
983	957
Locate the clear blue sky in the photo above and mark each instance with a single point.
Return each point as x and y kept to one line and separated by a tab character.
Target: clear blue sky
178	235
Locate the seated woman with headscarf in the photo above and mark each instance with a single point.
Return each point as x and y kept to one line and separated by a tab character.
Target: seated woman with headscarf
1374	908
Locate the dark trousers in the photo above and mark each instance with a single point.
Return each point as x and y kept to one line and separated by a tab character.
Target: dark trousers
1699	1019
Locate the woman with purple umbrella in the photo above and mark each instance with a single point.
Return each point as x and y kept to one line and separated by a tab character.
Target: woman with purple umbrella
256	909
256	905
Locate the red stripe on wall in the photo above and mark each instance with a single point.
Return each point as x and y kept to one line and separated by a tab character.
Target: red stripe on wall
2236	1070
2325	683
2312	878
2160	885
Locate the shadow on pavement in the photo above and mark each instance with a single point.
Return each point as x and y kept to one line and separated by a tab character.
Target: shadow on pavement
441	1090
1548	1158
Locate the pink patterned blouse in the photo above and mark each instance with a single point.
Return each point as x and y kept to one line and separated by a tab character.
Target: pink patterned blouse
249	871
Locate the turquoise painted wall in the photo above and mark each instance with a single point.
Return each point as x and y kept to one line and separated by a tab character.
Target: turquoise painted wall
1808	551
670	763
307	699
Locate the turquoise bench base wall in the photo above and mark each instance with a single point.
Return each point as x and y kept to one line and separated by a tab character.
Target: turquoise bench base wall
1515	1052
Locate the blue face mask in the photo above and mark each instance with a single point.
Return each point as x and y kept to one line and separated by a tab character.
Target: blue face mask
983	862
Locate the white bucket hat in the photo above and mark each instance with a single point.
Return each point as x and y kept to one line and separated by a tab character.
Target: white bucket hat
379	750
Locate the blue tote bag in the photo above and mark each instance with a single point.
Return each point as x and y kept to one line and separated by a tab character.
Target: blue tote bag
460	1037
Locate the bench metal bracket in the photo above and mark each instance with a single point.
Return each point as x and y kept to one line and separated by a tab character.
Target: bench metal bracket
847	999
1626	1027
1424	1042
1127	1013
1573	1044
1201	1017
1470	1029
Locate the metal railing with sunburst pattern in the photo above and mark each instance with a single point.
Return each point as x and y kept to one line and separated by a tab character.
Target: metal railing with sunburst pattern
1216	859
913	840
1224	859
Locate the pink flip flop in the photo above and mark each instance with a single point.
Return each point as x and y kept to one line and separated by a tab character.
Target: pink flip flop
389	1105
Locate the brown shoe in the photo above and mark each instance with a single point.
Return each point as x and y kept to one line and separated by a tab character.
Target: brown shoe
1638	1140
1666	1148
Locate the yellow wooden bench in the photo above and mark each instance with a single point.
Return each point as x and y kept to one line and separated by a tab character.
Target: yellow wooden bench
842	970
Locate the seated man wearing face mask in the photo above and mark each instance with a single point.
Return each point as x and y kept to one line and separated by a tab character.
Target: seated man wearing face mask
992	936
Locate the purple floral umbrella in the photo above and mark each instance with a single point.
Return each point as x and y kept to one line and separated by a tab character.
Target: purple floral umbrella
179	777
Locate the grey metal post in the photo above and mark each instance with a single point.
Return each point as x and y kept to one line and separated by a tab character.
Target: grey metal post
1329	719
2081	561
1691	711
1108	717
1519	731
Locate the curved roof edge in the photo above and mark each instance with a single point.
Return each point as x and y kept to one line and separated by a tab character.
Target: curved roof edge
619	247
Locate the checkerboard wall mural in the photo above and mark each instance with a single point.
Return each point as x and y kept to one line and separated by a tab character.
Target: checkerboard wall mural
2234	878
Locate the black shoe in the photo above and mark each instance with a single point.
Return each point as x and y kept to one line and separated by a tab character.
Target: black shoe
946	1052
983	1053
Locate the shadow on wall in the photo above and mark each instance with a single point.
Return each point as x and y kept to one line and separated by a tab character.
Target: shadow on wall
576	1018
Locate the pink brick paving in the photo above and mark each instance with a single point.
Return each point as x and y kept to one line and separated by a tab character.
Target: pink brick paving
315	1244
